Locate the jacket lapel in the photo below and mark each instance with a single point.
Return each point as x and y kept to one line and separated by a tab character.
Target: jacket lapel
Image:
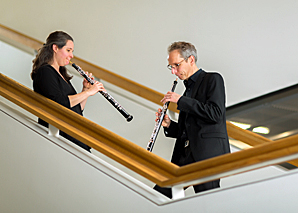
198	83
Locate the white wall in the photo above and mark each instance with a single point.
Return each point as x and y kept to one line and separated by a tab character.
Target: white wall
252	43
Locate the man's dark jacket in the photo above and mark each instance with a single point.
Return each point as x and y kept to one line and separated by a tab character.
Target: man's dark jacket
205	119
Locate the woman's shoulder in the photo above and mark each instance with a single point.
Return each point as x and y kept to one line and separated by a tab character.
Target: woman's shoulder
46	67
46	70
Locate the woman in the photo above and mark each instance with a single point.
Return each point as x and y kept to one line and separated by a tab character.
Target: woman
50	77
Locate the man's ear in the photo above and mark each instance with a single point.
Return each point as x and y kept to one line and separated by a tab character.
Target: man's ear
192	59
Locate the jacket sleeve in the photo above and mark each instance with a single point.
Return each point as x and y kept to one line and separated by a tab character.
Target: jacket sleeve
172	130
209	102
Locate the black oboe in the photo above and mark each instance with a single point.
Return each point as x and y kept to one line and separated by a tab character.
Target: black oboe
159	121
105	94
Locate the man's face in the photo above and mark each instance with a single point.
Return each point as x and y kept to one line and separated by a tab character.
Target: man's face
180	67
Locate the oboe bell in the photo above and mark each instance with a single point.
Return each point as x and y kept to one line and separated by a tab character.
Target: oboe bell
130	117
105	94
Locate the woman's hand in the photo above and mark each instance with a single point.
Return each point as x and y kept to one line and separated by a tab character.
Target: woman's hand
96	87
86	84
92	89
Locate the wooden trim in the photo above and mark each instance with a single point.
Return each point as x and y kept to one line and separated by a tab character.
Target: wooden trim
14	36
125	152
134	157
121	150
250	138
99	72
245	136
237	160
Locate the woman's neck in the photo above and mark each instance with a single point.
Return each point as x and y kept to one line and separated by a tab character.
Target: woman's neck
55	65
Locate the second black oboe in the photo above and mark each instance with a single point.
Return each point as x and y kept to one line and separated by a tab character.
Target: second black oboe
105	94
159	121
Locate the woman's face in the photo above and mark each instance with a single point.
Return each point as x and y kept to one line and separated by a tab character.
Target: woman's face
65	54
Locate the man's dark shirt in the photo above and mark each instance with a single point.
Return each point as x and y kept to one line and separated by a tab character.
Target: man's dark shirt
188	89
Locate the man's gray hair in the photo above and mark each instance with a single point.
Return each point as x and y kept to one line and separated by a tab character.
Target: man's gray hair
185	49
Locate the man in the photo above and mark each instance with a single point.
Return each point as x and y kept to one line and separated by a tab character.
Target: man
201	129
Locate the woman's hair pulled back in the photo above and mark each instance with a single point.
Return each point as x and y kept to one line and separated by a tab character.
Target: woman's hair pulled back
45	53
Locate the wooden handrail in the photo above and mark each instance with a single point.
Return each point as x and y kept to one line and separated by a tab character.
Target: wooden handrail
97	71
15	37
236	160
250	138
127	153
134	157
114	146
245	136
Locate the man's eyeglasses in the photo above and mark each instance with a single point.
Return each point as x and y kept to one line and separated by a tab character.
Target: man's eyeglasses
175	66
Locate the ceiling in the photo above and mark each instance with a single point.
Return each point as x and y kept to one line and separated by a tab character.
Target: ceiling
277	111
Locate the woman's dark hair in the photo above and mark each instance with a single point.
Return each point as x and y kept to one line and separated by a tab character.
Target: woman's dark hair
45	53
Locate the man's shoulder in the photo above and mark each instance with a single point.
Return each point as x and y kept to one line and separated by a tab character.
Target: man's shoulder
213	74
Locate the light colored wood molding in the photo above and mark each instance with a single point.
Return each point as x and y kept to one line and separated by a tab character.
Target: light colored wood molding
99	72
13	37
114	146
250	138
131	155
236	160
125	152
245	136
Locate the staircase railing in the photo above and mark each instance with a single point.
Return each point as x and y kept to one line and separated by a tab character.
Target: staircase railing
138	159
265	152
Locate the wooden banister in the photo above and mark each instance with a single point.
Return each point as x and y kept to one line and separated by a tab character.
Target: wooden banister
97	71
14	36
114	146
250	138
236	160
127	153
132	156
245	136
